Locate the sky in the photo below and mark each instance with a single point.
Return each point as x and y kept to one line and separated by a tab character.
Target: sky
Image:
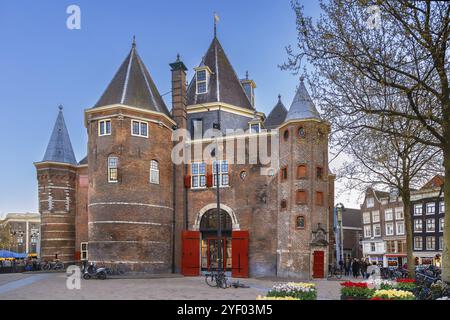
44	64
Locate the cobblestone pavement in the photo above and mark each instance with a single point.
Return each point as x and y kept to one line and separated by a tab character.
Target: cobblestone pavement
52	286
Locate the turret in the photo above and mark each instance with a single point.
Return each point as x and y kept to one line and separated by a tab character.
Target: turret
56	175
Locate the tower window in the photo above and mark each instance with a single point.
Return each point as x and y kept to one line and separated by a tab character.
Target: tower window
302	172
300	222
202	81
301	197
113	163
198	175
283	204
255	128
104	127
154	172
223	173
139	128
319	173
319	198
301	132
284	173
286	134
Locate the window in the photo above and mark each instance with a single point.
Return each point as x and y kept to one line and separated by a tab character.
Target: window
319	198
367	231
284	173
418	210
431	208
399	213
372	247
319	173
302	172
431	243
418	225
300	222
84	251
370	202
197	128
255	128
441	225
388	215
139	128
113	163
283	204
376	230
418	243
223	173
301	197
198	175
154	172
441	243
202	81
286	134
391	246
430	225
366	217
389	228
301	132
104	127
401	246
441	207
400	228
376	216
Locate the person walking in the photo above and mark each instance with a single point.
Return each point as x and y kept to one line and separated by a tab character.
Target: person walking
341	265
364	268
355	268
374	271
347	266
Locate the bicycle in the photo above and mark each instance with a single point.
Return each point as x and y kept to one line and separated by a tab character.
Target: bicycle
53	265
217	280
334	272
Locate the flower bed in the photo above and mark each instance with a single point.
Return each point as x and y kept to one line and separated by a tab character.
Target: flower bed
393	295
297	290
355	291
275	298
406	284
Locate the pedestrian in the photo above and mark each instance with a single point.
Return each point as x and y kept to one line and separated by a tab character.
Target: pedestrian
347	266
374	271
364	268
355	268
341	265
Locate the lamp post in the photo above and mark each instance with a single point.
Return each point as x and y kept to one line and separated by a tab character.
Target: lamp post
339	232
219	221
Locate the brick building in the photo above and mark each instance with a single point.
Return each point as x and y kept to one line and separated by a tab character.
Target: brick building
129	202
352	232
25	232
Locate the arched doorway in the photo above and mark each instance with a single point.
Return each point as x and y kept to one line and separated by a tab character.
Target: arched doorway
210	243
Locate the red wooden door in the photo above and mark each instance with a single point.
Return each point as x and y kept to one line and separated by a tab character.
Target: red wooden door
318	264
239	254
190	256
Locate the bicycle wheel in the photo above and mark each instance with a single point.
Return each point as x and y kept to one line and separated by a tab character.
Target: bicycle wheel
59	266
338	274
210	280
46	267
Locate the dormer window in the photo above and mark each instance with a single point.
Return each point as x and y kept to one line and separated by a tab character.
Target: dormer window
255	127
202	80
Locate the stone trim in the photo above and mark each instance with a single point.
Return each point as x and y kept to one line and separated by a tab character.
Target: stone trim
198	218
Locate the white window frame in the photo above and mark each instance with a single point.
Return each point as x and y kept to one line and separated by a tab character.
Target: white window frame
154	172
113	167
416	224
432	206
206	81
199	174
418	209
401	231
140	124
104	122
376	213
391	213
370	202
441	207
433	247
441	224
366	217
373	247
434	225
82	252
391	225
441	243
254	124
368	231
375	226
399	213
417	241
221	173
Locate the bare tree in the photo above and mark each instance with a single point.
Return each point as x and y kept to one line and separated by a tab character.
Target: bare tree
407	53
5	236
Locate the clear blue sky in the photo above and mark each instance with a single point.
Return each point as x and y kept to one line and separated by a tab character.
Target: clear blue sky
43	64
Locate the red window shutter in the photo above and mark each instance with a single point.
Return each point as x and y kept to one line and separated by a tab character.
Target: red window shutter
187	181
209	180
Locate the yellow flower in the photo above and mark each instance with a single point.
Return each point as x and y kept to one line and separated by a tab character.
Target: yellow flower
275	298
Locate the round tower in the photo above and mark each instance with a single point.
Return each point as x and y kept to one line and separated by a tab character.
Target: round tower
130	197
304	191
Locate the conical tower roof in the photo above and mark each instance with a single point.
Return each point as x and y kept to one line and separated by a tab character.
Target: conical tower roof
276	116
59	148
302	107
133	86
224	84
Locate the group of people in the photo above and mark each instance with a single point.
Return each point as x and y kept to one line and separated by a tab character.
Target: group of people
359	267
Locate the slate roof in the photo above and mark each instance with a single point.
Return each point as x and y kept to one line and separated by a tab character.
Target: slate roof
83	161
302	106
133	86
276	116
59	148
224	85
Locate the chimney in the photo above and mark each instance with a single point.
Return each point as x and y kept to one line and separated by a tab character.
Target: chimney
179	93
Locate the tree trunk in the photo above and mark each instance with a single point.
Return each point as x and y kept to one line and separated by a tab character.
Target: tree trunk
445	251
406	198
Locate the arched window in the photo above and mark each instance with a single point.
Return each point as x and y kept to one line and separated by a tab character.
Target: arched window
286	134
209	221
113	164
154	172
301	132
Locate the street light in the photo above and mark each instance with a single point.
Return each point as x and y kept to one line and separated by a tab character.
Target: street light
339	234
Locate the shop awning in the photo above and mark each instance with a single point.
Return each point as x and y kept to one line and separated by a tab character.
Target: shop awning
11	255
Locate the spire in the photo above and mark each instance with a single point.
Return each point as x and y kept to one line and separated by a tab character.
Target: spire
276	116
132	85
59	148
216	20
302	107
